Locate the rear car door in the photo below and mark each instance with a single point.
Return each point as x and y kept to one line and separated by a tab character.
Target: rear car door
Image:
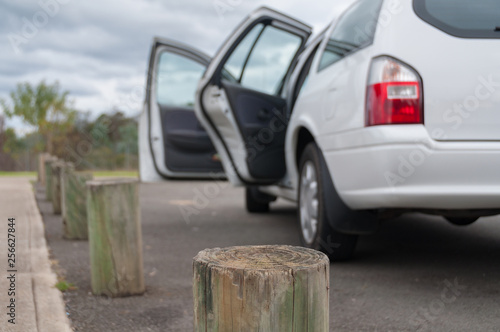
173	144
241	100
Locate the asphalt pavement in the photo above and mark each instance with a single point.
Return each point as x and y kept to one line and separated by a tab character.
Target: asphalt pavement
417	273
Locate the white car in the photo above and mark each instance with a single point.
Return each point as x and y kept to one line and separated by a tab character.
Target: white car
394	108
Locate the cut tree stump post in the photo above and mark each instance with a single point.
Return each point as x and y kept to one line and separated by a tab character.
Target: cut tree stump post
115	238
48	176
41	167
69	168
261	288
74	204
57	169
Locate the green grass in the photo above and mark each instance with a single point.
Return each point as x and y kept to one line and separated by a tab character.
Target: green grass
65	286
18	174
97	174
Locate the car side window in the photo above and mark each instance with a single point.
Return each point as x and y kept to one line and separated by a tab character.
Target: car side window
262	65
354	30
177	79
236	62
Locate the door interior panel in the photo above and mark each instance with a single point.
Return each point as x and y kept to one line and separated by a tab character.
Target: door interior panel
188	147
262	122
241	95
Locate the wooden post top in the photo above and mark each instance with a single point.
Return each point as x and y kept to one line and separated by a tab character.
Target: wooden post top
57	163
258	258
62	163
111	182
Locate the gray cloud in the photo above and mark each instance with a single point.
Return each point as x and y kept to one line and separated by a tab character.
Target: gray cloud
98	50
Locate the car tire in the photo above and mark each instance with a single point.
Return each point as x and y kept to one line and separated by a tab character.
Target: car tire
256	201
462	221
315	230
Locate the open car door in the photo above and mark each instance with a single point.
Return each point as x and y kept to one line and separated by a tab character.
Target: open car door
172	142
240	99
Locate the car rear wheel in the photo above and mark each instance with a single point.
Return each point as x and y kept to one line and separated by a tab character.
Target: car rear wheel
315	230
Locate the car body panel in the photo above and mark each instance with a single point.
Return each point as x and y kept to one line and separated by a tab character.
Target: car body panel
326	111
405	166
461	78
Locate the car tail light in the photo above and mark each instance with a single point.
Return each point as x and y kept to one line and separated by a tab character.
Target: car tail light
394	94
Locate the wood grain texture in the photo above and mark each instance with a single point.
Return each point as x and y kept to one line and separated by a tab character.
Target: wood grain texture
74	204
70	168
41	167
56	168
115	238
48	177
261	288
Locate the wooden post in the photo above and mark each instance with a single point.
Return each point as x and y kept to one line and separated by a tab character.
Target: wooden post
56	185
48	176
74	204
115	238
70	168
261	288
41	167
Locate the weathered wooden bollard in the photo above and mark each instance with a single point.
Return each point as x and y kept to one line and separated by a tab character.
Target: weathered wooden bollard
41	167
74	204
70	168
115	238
57	169
261	288
48	176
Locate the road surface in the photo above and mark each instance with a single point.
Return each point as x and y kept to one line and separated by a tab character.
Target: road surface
417	273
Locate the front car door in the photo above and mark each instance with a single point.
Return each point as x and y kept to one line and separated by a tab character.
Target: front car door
172	142
241	100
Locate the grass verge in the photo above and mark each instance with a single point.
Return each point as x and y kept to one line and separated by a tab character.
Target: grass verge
18	174
98	174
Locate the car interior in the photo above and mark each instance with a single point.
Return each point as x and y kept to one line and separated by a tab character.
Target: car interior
187	146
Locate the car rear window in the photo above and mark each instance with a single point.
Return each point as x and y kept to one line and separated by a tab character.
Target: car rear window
462	18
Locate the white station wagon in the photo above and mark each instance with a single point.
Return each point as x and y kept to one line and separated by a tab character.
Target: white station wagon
394	108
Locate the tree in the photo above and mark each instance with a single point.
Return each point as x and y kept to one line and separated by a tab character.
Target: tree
128	145
107	142
44	107
7	162
12	144
128	139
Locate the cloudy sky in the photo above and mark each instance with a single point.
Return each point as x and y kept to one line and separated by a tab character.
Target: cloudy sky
98	50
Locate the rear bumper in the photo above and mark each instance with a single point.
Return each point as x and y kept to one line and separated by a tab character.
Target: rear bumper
401	167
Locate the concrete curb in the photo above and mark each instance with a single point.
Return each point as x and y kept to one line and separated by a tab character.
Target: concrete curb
49	303
41	305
